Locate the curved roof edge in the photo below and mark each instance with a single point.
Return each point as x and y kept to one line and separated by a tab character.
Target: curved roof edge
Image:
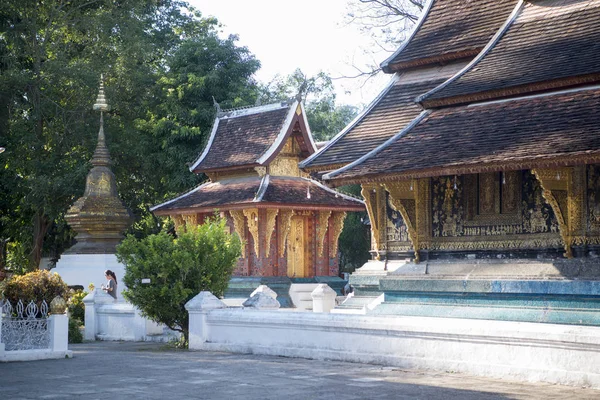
380	148
488	47
306	162
385	64
152	209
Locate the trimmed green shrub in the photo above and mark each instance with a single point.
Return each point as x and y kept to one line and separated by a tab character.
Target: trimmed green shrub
178	269
76	306
75	335
35	286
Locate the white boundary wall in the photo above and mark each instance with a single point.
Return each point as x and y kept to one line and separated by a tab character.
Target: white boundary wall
107	319
562	354
58	325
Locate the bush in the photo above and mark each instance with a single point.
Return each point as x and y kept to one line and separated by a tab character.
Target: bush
179	269
75	335
76	306
35	286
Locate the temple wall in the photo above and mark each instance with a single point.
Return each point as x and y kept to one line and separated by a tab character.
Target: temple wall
491	211
552	210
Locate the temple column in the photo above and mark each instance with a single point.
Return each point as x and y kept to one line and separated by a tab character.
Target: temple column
374	196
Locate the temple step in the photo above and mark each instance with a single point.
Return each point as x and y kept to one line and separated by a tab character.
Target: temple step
358	304
546	309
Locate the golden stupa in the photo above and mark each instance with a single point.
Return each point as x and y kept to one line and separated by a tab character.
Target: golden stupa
99	216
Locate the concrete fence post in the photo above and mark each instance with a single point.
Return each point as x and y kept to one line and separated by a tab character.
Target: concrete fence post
2	347
59	332
91	302
198	308
323	298
266	290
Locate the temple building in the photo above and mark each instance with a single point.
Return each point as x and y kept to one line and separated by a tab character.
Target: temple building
482	189
290	224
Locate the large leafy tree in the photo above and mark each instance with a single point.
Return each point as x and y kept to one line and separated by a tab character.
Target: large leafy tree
163	64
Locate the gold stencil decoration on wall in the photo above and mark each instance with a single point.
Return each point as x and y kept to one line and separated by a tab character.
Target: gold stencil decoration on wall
322	223
252	220
191	222
240	227
270	227
337	224
285	218
178	223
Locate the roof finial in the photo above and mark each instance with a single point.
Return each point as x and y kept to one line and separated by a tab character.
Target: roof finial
301	91
217	106
101	104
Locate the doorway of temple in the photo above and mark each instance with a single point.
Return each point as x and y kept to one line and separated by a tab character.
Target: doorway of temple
296	258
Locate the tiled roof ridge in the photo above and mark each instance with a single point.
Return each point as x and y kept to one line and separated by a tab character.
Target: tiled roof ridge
180	196
249	110
346	196
424	14
489	46
306	162
381	147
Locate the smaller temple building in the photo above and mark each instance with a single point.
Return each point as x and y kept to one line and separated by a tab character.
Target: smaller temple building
290	224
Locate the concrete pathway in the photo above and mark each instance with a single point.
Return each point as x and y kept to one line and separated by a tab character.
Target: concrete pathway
118	370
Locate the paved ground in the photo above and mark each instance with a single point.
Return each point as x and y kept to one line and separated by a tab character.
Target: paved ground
118	370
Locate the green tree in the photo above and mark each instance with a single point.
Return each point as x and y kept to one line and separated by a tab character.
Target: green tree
163	64
178	269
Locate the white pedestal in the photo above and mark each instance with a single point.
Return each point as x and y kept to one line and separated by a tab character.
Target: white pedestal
83	269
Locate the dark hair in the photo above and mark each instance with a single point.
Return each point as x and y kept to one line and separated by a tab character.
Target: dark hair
109	272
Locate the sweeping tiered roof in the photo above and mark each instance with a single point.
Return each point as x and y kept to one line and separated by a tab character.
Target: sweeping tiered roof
546	44
268	191
543	130
252	137
519	128
449	30
241	141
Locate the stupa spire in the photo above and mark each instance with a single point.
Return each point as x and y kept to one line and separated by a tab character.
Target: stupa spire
101	155
99	217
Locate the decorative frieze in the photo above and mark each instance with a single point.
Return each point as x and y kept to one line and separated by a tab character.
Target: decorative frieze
337	225
322	224
251	215
239	225
270	227
285	219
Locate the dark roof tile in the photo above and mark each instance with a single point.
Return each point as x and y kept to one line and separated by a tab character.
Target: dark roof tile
526	130
452	28
548	40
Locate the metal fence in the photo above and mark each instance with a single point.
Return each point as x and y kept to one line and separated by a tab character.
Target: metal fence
24	328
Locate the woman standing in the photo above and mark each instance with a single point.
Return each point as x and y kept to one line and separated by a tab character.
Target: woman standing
111	284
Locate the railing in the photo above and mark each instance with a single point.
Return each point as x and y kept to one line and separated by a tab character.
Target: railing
24	328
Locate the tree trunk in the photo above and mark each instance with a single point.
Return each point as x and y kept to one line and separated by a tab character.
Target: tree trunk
40	227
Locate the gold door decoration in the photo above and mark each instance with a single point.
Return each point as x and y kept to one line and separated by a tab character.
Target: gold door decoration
252	219
322	219
337	224
239	227
369	194
285	220
270	227
296	248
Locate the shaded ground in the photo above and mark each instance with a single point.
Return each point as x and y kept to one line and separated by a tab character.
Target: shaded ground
119	370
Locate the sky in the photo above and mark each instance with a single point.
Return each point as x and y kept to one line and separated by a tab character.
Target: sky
310	34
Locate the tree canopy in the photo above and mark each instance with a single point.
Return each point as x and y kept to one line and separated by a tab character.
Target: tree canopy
163	64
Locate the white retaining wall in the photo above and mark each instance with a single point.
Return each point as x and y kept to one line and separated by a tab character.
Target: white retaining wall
58	325
107	319
562	354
